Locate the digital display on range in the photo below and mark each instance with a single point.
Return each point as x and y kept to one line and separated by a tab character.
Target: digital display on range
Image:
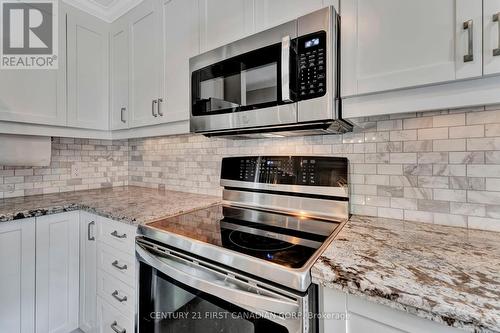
311	43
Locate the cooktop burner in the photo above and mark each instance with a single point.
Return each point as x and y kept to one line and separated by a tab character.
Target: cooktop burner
283	239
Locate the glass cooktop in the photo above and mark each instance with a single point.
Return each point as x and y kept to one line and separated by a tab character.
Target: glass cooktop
288	240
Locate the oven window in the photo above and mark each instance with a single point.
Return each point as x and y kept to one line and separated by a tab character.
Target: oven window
168	306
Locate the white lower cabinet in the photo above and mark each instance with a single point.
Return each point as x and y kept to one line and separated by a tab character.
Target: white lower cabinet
353	314
88	272
57	273
110	320
17	276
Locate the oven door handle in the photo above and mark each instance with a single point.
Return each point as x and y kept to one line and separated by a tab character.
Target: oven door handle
215	283
285	69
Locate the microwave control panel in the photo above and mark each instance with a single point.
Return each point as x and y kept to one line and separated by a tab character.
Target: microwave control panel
311	51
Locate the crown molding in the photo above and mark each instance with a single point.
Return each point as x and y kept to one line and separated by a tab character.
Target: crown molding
106	13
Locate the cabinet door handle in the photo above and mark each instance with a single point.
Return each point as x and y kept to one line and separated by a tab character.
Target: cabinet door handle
115	234
153	111
118	298
122	114
115	264
468	25
116	328
496	52
160	100
89	227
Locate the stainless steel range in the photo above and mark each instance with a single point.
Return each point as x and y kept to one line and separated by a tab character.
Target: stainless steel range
244	265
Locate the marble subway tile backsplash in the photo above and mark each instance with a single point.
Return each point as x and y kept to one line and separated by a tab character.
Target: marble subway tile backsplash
76	164
435	167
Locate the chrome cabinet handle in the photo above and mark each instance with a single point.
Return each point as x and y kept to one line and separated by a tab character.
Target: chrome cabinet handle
160	100
468	25
285	69
115	234
89	237
119	299
153	104
496	52
115	263
122	114
114	327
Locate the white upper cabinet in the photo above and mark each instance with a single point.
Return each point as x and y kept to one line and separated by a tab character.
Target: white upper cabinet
145	63
180	42
491	42
269	13
223	21
57	273
36	95
88	57
17	276
394	44
119	76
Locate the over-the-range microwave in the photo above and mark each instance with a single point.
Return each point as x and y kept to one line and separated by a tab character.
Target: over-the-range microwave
280	82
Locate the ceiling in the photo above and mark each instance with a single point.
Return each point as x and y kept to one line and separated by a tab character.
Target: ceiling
107	10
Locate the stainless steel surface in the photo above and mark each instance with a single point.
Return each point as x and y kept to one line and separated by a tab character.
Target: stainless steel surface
468	25
160	101
298	279
496	52
89	228
114	326
122	114
285	69
252	295
153	104
116	296
313	207
115	234
117	265
341	191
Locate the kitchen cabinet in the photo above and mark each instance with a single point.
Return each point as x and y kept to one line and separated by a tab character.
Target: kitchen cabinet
145	67
17	276
119	74
349	313
224	21
491	41
394	44
57	272
88	57
88	272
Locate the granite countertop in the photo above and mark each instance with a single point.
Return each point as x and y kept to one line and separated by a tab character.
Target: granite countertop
129	204
447	274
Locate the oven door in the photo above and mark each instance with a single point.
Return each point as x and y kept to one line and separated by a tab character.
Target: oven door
249	83
179	294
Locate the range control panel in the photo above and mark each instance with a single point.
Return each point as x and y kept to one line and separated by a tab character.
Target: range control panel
289	170
312	65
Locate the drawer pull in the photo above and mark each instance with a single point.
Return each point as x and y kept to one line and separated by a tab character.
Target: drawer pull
118	298
115	263
115	327
115	234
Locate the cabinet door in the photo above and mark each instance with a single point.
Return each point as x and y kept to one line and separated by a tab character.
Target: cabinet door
145	63
223	21
57	273
119	49
88	54
269	13
88	272
181	42
17	276
36	95
393	44
491	44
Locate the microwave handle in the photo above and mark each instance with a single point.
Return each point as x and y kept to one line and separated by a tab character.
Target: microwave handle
285	69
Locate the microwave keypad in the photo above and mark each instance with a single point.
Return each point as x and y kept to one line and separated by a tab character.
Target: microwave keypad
312	66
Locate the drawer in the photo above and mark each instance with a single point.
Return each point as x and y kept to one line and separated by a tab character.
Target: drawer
119	235
118	264
110	320
116	293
